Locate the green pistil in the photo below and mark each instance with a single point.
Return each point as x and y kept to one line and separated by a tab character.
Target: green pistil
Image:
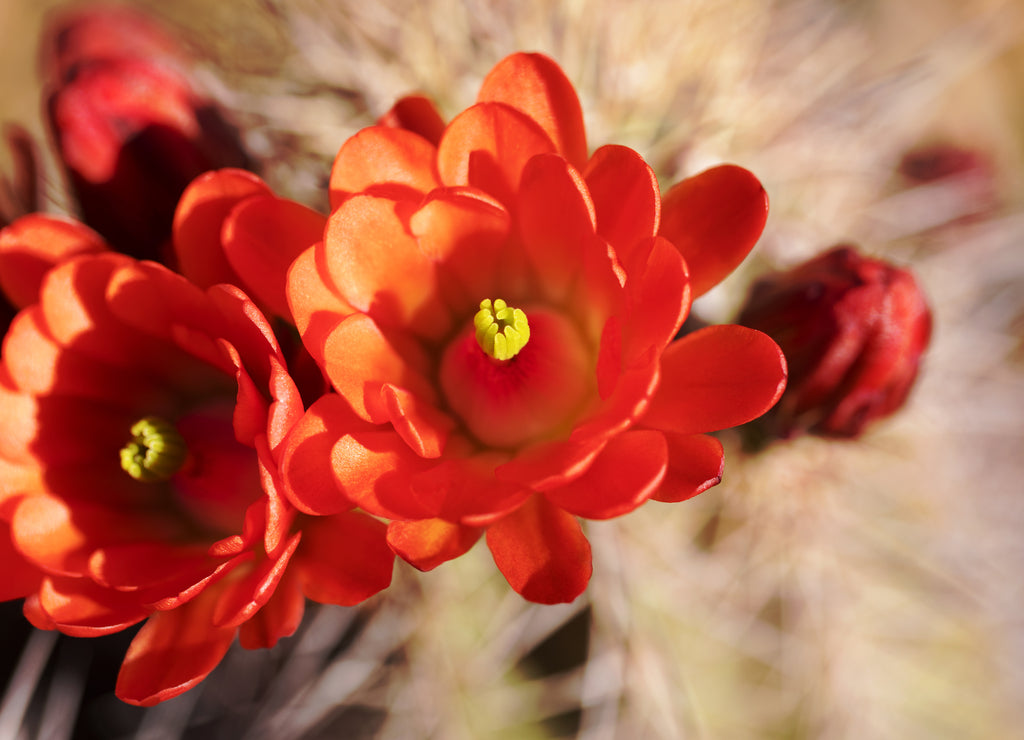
501	331
156	451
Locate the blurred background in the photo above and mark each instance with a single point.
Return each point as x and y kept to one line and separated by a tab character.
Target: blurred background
867	588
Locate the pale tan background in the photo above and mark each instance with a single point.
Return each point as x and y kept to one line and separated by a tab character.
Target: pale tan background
833	590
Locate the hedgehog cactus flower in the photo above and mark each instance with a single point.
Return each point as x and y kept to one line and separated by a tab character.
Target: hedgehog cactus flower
139	466
495	312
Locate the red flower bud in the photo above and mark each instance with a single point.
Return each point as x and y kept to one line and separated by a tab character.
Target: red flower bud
130	127
853	330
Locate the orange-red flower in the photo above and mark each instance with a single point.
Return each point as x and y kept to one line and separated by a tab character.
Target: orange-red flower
583	406
140	445
854	329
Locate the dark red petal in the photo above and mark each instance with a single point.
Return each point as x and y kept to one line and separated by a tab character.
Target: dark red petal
625	474
487	146
201	211
716	378
262	236
429	542
344	559
542	552
415	113
695	464
173	652
714	218
34	613
626	197
33	244
80	608
278	618
388	161
20	577
536	85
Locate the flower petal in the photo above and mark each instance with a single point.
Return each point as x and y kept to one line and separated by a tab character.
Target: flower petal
628	470
465	232
427	543
241	598
173	652
132	566
695	464
80	608
542	552
315	305
20	577
465	489
487	146
415	113
537	86
33	244
60	538
556	219
344	559
278	618
305	465
386	161
422	426
360	359
659	298
626	197
714	218
333	459
716	378
378	267
262	236
201	211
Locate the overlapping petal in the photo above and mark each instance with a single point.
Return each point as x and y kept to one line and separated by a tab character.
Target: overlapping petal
385	161
487	146
201	212
714	218
537	86
542	552
32	245
173	652
717	378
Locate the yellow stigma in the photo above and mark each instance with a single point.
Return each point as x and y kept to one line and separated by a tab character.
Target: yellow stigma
501	331
156	451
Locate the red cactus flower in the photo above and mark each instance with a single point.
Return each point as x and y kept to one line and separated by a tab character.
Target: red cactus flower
853	329
130	126
494	310
139	474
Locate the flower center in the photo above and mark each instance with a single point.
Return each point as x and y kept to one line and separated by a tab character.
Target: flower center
501	331
156	450
533	397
